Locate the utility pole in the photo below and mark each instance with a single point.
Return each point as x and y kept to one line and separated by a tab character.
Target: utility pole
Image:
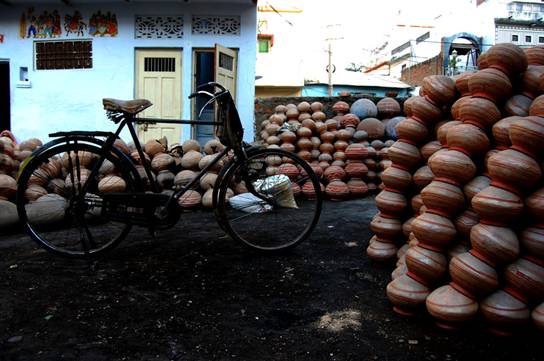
330	67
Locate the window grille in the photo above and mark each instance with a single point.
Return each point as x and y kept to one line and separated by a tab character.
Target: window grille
73	54
216	25
159	27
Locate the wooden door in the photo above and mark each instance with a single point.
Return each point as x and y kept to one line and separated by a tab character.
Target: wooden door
226	64
158	79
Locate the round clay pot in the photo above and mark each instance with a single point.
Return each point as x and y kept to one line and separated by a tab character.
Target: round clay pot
439	89
388	108
340	145
319	116
474	277
288	147
404	154
513	170
396	178
391	203
334	173
308	190
327	137
422	177
190	199
453	165
476	185
162	161
501	130
356	169
535	205
518	105
450	307
356	151
381	250
442	197
461	83
538	316
532	241
507	57
191	159
424	111
416	202
364	108
465	221
442	129
289	170
427	265
535	55
537	106
454	111
8	187
373	127
386	228
491	84
430	148
357	187
350	120
340	107
337	190
527	278
504	313
412	130
433	230
112	184
287	137
497	205
479	111
407	295
494	244
184	177
469	139
153	147
530	81
526	134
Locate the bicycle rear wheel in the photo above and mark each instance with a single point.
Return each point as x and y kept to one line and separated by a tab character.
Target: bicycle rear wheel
53	208
272	215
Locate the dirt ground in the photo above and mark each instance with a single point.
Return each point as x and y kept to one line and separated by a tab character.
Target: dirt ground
193	294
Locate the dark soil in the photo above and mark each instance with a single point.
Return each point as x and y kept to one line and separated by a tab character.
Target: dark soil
193	294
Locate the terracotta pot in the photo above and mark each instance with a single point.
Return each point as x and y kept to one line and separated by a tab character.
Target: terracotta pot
165	178
453	165
391	203
350	120
518	105
357	187
340	107
461	83
442	129
404	154
334	173
476	185
386	228
194	145
30	144
513	170
445	198
535	205
327	137
454	110
388	108
340	145
8	187
464	223
191	159
427	265
319	116
430	148
479	111
497	205
532	241
190	199
433	230
304	107
530	81
320	127
412	130
538	317
439	89
356	169
469	139
357	151
112	184
535	55
304	132
491	84
326	147
407	227
286	137
501	130
289	170
494	244
381	250
162	161
396	178
308	190
508	58
184	177
537	106
450	307
526	134
407	295
504	313
292	113
331	124
422	177
360	136
337	190
373	127
416	202
425	111
474	277
527	278
456	249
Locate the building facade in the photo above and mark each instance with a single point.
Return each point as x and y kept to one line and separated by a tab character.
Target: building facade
59	59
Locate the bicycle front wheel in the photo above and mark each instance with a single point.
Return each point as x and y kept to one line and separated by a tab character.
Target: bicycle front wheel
270	214
56	211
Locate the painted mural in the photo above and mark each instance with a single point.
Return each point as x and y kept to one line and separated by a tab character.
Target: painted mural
103	24
74	24
45	25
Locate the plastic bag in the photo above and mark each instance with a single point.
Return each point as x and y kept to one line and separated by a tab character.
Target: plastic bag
279	187
249	203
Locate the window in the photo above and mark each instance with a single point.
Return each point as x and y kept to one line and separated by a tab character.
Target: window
423	37
73	54
514	38
528	38
541	39
265	42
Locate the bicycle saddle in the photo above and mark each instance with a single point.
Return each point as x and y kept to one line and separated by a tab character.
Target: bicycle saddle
126	106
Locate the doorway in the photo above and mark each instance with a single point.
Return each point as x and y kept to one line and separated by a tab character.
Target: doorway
203	61
5	110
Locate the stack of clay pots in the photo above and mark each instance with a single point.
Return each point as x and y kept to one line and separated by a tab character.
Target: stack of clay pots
330	142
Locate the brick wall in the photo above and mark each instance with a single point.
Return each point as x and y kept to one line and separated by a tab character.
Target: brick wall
414	75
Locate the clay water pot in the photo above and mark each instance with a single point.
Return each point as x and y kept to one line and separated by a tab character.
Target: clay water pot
288	147
391	203
526	135
501	130
304	107
407	295
373	127
469	139
407	227
320	127
532	241
504	313
454	110
508	58
527	278
491	84
327	137
537	106
453	165
56	186
535	205
289	170
190	199
332	124
450	307
412	130
422	177
165	178
513	170
535	55
292	113
439	89
344	135
430	148
153	147
357	187
334	173
184	177
356	151
530	81
112	184
191	159
461	83
386	228
404	154
305	144
162	161
396	178
8	187
356	169
388	108
30	144
416	202
360	136
494	244
308	190
340	107
306	155
287	137
423	110
340	145
538	317
457	249
433	230
350	121
426	264
337	190
319	116
518	105
472	276
464	223
443	198
381	250
497	205
213	146
479	111
442	129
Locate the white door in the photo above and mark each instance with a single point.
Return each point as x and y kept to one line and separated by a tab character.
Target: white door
158	79
226	63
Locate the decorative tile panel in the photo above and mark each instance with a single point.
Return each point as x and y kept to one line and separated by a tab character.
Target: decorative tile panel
216	25
159	27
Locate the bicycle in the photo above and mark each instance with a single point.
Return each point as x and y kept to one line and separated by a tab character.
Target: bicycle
96	193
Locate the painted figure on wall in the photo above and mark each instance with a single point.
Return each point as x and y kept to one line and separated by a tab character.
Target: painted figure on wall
103	24
74	24
46	25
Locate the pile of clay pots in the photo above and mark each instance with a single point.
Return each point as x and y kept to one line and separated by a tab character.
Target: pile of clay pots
462	209
347	148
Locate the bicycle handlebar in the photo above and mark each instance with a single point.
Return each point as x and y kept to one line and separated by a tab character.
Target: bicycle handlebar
199	90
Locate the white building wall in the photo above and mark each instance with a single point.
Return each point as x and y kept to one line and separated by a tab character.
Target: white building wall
62	100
